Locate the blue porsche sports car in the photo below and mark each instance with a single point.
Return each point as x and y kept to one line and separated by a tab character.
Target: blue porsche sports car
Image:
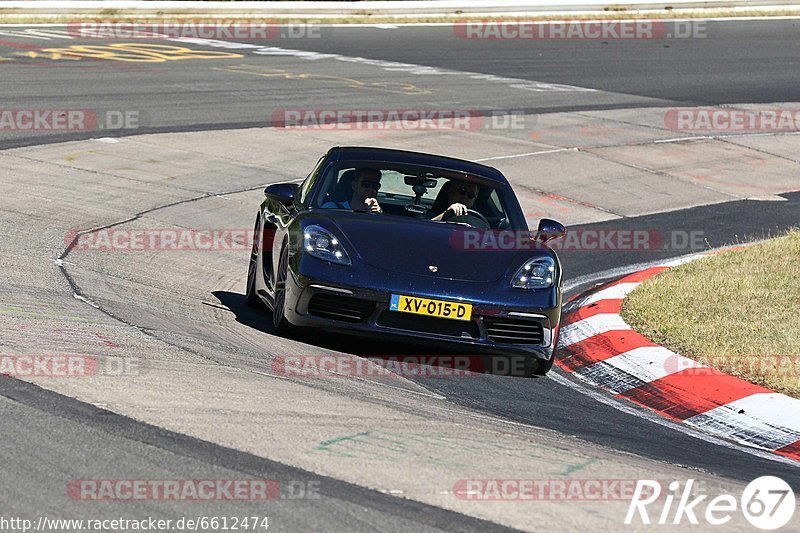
412	246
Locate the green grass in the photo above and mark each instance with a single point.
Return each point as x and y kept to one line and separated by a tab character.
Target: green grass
737	311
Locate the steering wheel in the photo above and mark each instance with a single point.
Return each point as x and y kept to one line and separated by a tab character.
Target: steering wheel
470	218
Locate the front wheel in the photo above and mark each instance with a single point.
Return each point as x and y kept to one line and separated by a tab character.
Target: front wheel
542	367
252	298
280	325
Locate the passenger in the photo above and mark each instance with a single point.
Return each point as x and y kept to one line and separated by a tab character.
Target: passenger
461	196
365	186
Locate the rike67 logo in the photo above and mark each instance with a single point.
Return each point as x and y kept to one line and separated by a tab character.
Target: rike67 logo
767	502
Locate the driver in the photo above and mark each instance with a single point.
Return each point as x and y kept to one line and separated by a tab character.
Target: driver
461	196
365	186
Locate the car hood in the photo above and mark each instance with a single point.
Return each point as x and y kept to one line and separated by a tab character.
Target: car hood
419	247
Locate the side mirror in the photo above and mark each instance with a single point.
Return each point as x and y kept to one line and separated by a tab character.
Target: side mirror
550	230
282	192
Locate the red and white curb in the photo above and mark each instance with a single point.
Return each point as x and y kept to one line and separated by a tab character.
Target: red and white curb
597	346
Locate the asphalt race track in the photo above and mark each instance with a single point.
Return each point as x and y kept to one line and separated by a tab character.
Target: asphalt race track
194	149
737	62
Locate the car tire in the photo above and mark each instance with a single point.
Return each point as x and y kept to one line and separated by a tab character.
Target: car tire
280	325
252	298
541	367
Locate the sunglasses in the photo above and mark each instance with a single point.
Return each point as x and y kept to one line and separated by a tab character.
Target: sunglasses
370	184
466	192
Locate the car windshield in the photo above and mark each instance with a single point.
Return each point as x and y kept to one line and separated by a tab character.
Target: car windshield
421	192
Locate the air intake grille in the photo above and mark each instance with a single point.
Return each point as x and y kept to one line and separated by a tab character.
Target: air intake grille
514	331
342	308
426	324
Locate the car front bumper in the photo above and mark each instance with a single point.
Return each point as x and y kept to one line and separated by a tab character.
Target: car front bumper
362	310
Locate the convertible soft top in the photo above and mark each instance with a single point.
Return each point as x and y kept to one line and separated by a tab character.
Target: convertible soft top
366	153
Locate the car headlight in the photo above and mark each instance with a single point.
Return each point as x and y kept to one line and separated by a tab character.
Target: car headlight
537	273
322	244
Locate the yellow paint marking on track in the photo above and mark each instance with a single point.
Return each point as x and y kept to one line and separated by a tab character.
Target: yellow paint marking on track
136	53
390	87
74	155
48	55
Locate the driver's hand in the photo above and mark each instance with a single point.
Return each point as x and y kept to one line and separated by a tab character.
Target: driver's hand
458	209
372	205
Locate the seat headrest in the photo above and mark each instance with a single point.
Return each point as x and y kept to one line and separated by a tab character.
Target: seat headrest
343	190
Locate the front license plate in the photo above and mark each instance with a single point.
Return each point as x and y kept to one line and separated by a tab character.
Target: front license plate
428	307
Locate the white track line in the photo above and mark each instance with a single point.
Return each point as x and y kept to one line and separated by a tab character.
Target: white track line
589	327
614	292
526	154
630	409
